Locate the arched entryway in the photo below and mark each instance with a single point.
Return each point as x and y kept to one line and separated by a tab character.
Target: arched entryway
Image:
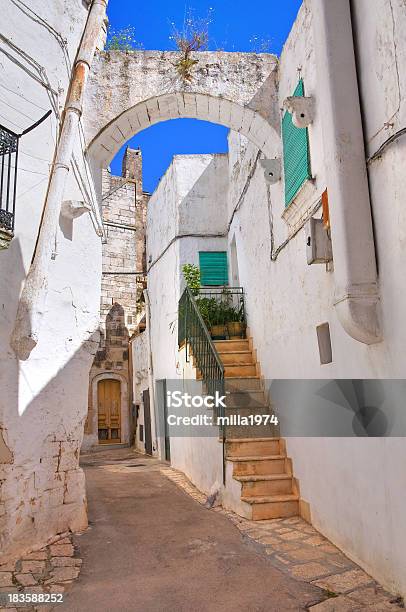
105	390
129	92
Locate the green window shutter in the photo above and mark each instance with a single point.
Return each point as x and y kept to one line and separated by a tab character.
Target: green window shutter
296	158
213	268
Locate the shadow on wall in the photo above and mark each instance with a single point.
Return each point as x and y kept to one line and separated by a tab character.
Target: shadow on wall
42	487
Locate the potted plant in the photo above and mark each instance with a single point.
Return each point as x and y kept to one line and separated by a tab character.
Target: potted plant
236	323
218	322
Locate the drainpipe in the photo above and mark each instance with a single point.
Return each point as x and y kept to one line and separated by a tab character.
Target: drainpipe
150	372
31	306
356	287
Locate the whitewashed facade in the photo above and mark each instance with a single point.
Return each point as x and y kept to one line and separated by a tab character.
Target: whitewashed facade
43	401
355	487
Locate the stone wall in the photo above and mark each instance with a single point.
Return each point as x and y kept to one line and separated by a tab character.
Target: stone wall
124	216
43	400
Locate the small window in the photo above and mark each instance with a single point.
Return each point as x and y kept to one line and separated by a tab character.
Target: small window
296	157
213	268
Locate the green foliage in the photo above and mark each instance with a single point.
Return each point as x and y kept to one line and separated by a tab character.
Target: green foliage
217	310
191	275
122	40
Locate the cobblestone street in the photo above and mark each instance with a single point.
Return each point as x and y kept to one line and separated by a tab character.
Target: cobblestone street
152	547
153	544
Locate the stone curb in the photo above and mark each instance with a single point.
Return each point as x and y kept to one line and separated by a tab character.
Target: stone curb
50	569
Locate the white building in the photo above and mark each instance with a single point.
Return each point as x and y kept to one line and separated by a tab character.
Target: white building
348	64
353	147
44	398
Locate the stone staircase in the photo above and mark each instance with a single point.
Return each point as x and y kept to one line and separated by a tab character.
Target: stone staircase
256	456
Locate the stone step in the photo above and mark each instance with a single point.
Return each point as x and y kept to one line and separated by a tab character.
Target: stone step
260	486
237	358
273	506
256	466
239	371
246	399
248	447
252	432
225	346
247	384
246	411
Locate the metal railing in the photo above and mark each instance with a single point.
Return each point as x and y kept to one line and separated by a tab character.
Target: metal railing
8	177
9	142
222	306
193	332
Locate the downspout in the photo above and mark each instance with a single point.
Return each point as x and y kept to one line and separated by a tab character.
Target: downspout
31	306
150	372
356	287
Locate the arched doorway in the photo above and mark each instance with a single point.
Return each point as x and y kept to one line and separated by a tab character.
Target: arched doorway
109	411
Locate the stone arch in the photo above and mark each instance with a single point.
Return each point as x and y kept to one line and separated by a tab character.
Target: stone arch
129	92
111	138
92	437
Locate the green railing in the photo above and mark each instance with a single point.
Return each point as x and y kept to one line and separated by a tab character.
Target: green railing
193	332
224	308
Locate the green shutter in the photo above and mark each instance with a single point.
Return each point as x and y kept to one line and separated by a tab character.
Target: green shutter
296	158
213	268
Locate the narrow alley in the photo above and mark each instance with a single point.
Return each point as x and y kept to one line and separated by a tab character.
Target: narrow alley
150	547
202	330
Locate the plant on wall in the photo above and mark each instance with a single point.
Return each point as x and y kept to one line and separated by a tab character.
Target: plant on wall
191	274
194	36
217	310
122	40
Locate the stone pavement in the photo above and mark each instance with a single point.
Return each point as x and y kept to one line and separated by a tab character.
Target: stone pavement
299	550
49	570
150	547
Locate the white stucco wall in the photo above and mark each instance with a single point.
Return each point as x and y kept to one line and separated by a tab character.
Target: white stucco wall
186	213
355	487
139	352
44	399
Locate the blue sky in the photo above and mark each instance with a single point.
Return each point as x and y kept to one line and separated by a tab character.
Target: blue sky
236	26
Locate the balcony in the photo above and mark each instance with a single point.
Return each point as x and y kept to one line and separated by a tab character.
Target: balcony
8	184
223	311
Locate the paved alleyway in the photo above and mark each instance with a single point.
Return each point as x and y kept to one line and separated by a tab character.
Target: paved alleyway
152	548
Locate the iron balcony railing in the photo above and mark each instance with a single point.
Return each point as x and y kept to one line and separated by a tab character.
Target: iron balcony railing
8	177
222	306
9	142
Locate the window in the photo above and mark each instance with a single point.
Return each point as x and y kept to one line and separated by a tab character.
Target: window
213	268
296	158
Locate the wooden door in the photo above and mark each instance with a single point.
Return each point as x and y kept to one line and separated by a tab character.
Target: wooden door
109	410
